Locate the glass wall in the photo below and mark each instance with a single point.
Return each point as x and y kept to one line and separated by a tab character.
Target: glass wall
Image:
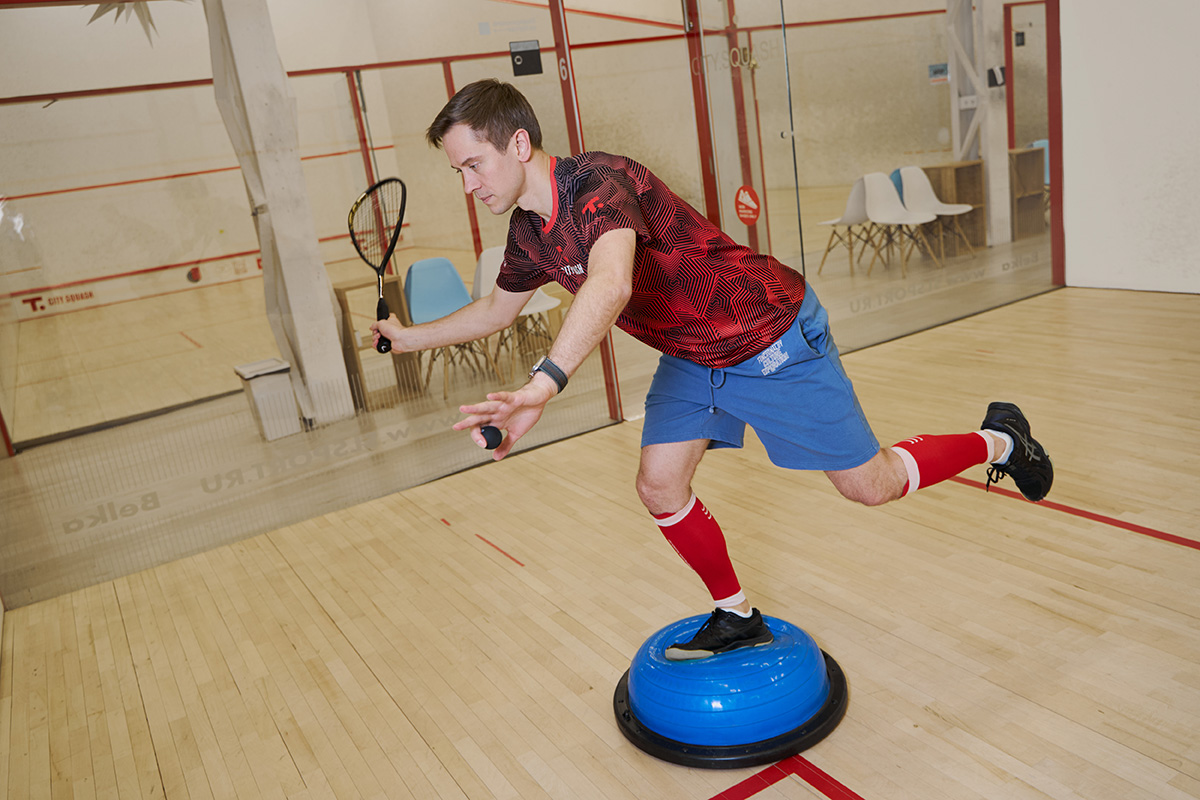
868	94
130	280
132	288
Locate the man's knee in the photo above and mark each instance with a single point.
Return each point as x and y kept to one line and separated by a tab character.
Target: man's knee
880	480
664	480
660	493
870	494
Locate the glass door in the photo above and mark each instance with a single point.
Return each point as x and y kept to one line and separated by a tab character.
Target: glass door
739	69
796	104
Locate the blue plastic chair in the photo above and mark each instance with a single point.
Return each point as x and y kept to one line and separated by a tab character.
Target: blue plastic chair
434	289
898	182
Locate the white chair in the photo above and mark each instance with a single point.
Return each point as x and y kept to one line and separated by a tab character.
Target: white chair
893	224
532	332
856	223
920	197
486	270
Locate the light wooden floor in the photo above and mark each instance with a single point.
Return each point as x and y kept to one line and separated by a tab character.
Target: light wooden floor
462	639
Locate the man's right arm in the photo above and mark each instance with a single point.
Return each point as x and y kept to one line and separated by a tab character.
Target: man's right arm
485	316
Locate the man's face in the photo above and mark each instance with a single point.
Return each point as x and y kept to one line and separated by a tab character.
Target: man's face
494	177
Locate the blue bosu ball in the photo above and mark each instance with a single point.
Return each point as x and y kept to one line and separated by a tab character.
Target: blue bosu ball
746	707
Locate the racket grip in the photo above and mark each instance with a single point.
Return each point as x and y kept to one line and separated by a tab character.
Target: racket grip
384	344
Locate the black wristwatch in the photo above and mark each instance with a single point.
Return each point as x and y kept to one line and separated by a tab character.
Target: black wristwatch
552	370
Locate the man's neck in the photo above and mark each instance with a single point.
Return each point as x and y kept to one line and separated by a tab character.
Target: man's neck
539	185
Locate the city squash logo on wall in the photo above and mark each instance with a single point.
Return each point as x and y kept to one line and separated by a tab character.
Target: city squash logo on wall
51	300
45	302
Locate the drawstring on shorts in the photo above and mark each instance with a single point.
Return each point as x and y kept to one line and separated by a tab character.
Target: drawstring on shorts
716	379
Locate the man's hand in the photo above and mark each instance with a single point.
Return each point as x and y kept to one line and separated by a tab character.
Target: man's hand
513	412
391	328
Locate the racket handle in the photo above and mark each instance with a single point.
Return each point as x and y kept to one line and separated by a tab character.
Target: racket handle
384	344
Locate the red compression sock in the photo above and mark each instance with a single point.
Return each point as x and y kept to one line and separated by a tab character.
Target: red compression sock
933	459
698	540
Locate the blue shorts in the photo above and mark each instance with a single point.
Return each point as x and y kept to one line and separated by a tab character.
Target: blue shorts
794	394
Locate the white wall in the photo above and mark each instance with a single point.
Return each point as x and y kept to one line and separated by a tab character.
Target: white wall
1130	128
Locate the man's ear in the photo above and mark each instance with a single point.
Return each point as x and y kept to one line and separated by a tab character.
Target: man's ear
524	147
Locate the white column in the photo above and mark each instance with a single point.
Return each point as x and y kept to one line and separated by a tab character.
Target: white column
993	129
260	114
979	116
960	36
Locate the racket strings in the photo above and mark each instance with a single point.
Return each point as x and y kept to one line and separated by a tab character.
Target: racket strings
375	219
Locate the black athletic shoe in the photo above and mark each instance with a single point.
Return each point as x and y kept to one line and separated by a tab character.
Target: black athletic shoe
722	632
1029	465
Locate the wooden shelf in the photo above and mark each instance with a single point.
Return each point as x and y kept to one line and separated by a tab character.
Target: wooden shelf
962	182
1026	171
406	365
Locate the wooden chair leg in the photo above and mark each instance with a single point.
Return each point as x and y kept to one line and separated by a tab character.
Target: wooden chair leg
850	247
429	372
925	245
867	237
487	346
962	235
494	364
829	247
885	241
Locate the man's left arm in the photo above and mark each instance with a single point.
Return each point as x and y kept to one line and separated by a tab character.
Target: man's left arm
597	304
599	301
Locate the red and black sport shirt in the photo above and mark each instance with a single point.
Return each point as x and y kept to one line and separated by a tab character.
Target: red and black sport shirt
697	294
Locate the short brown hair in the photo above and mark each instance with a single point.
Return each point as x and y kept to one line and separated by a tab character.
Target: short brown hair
492	109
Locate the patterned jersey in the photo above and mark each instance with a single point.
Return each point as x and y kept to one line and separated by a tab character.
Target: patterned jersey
697	294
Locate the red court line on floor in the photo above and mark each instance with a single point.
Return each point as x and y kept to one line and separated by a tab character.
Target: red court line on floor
820	780
501	550
825	783
797	765
491	544
190	339
1094	517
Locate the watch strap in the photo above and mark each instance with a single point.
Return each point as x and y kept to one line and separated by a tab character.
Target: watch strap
552	370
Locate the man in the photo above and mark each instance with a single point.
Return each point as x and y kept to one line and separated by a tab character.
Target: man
743	337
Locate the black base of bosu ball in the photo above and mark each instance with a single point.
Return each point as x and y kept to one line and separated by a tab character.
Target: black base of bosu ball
753	706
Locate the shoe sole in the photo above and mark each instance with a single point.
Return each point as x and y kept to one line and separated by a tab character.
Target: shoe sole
696	655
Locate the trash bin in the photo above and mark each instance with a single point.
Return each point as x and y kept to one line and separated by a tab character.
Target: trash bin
269	391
